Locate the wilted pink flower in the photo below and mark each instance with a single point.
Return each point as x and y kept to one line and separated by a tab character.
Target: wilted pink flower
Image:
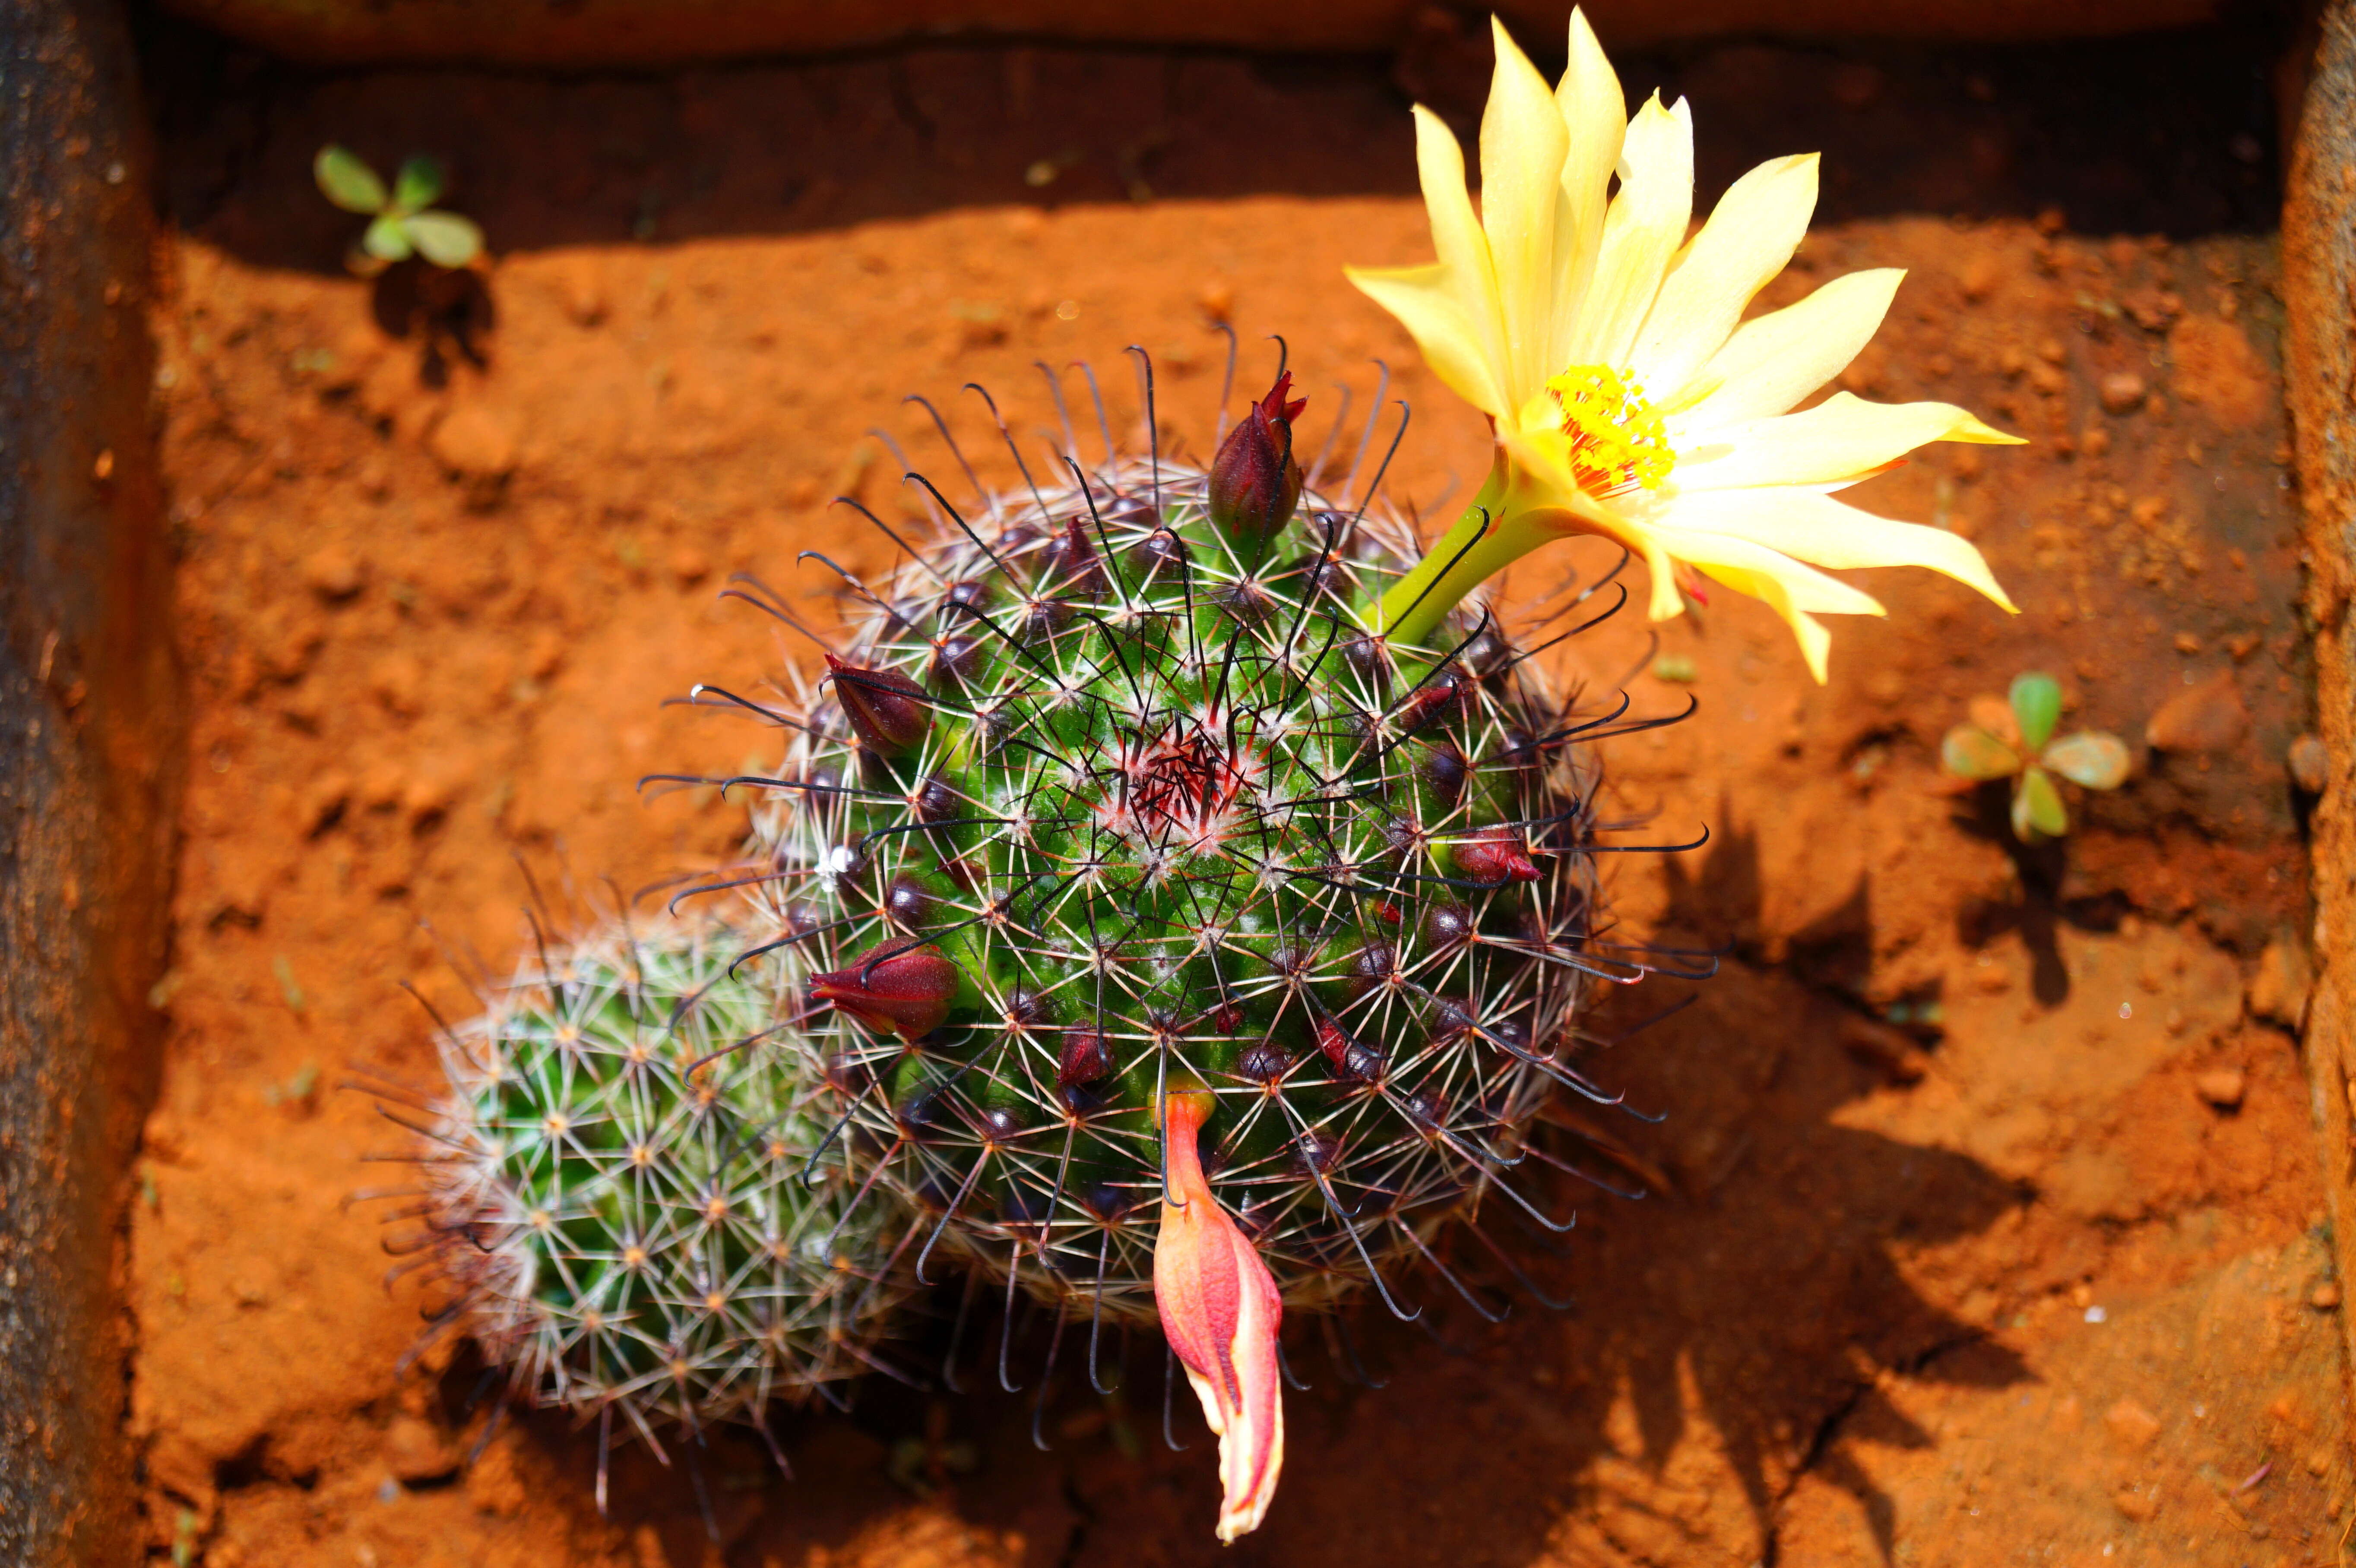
1220	1311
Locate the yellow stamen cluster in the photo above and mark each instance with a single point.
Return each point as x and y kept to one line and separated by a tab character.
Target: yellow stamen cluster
1617	441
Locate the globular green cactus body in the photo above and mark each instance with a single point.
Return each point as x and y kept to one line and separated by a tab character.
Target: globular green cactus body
631	1231
1104	800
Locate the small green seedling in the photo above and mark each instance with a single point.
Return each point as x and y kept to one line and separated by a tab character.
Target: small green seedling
2010	740
403	220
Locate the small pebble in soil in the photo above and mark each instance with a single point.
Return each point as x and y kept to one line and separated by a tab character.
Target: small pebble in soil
334	572
2123	392
2097	1315
2132	1427
2310	764
2324	1296
414	1450
2223	1087
2279	987
2205	717
475	441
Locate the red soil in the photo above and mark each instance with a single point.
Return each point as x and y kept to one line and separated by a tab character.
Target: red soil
2040	1280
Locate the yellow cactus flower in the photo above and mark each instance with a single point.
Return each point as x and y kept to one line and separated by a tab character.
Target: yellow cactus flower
1629	397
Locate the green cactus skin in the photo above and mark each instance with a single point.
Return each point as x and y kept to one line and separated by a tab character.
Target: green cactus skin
1174	819
626	1232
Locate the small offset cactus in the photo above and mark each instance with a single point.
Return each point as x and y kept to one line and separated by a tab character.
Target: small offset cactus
1114	796
2014	739
638	1216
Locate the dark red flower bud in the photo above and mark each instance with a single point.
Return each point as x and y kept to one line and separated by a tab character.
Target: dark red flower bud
1443	768
1255	482
888	709
1068	564
908	901
897	987
1494	855
1444	696
1351	1056
1086	1057
1265	1062
1446	927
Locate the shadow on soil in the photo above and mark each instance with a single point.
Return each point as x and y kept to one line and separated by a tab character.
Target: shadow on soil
791	147
1723	1329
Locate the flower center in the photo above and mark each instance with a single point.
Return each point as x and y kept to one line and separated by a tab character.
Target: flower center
1617	442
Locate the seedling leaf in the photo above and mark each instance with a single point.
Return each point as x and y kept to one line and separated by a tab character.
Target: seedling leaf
347	181
418	186
2037	705
1971	753
2090	758
387	239
2037	808
445	238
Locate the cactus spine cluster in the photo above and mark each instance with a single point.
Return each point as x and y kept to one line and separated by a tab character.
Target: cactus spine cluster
636	1217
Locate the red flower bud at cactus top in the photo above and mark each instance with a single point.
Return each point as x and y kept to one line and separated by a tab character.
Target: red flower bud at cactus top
895	987
889	710
1255	482
1493	857
1220	1311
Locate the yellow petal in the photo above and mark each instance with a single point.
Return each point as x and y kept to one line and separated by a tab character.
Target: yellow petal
1595	118
1774	360
1457	238
1641	232
1811	526
1757	226
1666	603
1798	593
1542	478
1803	585
1430	305
1815	643
1522	146
1840	439
1544	493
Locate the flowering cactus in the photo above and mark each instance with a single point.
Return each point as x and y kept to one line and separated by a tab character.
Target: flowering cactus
1187	951
1192	891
